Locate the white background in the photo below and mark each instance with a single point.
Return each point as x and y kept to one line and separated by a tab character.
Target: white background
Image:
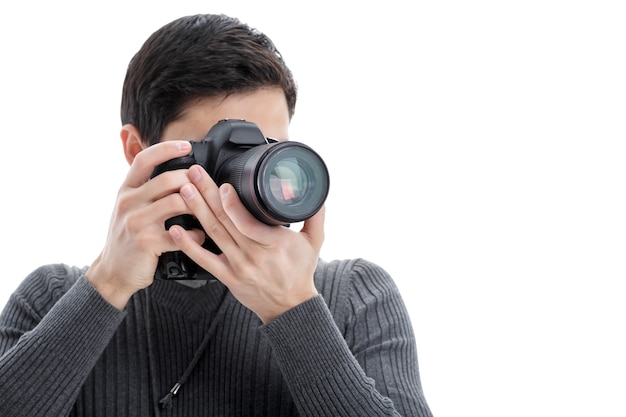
476	152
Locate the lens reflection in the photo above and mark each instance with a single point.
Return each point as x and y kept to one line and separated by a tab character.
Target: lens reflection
288	181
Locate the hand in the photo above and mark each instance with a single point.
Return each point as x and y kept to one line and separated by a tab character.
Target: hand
269	269
137	235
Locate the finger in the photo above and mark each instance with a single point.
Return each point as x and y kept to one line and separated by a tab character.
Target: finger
196	235
166	208
148	223
165	184
211	218
208	260
240	216
313	228
153	216
144	163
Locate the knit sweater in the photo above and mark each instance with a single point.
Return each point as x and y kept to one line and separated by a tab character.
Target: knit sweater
65	351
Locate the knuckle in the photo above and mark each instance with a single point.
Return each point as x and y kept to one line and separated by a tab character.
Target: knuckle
175	204
169	181
222	216
214	230
144	241
141	160
131	223
124	202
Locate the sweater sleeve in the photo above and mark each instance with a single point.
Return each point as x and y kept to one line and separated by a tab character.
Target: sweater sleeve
52	332
369	370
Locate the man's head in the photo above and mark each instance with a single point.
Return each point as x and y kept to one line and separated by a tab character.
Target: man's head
195	58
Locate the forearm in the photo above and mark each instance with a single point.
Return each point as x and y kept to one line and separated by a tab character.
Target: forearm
324	377
43	372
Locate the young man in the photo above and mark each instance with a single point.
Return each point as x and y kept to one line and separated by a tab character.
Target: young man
278	333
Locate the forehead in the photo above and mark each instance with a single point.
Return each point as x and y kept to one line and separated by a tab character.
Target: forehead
266	107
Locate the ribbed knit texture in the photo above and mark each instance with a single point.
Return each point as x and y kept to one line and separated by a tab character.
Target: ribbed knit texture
348	352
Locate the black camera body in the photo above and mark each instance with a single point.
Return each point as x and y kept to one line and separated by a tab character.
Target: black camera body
278	182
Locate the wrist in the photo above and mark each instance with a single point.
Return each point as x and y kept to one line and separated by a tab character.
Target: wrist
108	288
288	304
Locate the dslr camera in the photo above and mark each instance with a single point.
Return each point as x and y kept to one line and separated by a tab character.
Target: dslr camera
278	182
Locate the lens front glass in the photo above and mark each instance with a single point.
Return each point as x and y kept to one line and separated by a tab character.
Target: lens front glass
293	181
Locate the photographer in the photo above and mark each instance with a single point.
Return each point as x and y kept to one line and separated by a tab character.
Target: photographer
277	332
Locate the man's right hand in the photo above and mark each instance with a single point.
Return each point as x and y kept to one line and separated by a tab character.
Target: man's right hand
137	236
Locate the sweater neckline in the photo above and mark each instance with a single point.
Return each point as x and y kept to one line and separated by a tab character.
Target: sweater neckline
186	300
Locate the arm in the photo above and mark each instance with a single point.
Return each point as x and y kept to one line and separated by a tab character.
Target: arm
270	270
49	342
372	370
52	332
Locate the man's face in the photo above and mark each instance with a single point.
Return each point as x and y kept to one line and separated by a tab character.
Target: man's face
267	108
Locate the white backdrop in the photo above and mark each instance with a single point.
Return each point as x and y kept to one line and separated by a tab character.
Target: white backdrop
476	152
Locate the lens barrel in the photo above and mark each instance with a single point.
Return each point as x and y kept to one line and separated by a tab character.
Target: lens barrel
279	183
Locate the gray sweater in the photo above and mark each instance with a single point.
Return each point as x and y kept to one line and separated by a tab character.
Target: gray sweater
181	351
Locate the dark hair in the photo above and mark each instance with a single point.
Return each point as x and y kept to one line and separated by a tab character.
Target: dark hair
196	57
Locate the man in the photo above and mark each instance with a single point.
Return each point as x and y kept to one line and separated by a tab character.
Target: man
278	333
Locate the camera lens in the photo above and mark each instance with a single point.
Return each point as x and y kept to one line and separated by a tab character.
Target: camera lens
284	182
288	181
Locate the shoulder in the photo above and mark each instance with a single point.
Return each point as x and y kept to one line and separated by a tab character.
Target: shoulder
360	274
43	287
352	284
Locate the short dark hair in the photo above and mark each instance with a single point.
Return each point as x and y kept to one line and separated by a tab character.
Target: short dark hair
197	57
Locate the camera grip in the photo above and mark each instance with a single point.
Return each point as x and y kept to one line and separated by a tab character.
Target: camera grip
182	162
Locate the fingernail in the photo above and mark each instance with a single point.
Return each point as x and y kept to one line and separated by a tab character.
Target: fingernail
188	191
184	146
224	191
194	173
175	233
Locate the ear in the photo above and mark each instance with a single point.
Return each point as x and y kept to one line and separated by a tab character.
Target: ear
131	141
